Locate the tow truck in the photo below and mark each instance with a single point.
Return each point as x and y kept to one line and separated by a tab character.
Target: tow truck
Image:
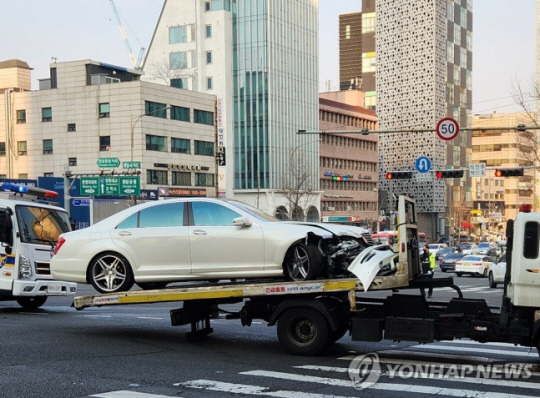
29	228
311	315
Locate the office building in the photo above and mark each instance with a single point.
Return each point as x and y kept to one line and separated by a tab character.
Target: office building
87	110
260	59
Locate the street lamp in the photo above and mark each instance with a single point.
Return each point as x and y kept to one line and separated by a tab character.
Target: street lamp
135	120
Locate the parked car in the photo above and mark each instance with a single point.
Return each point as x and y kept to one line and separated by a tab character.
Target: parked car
468	248
488	249
497	272
448	262
158	242
474	265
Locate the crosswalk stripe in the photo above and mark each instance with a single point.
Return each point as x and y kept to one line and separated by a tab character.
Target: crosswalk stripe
436	347
424	376
251	390
128	394
413	388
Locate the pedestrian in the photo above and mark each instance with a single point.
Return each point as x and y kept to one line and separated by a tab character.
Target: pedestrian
427	261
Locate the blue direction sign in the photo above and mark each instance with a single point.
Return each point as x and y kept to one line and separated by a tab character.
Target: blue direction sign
423	164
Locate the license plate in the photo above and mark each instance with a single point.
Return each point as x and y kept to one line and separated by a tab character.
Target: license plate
54	288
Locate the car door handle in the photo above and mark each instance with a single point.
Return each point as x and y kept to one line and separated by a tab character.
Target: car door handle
124	233
199	232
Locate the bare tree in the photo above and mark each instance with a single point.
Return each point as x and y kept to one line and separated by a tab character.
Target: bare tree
165	71
298	187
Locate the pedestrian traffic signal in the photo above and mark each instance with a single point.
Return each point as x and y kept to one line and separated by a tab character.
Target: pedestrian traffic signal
449	173
509	172
398	175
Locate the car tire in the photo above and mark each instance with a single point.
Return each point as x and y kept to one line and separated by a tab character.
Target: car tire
31	303
459	273
302	262
443	269
303	331
492	282
110	273
152	285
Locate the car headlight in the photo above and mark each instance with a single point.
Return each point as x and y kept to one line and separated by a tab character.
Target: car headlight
25	268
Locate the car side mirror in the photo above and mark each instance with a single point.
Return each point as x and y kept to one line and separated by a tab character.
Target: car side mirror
243	222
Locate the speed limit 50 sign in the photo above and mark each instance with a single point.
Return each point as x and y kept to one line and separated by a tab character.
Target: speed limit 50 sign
447	129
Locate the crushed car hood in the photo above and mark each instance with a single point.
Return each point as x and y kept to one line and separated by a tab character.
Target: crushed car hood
369	262
336	229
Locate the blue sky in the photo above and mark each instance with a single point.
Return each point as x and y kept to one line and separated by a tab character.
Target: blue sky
504	39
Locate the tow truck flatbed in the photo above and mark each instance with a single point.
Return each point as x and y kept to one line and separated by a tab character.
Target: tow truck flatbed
231	290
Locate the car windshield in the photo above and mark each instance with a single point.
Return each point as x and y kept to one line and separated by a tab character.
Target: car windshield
41	225
471	258
253	211
484	245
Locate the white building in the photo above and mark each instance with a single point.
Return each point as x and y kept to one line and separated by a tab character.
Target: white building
260	58
89	110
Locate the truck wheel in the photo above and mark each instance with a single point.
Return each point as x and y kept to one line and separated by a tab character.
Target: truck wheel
492	282
31	303
303	331
110	273
302	262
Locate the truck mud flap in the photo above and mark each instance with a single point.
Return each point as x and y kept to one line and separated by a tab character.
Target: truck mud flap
409	329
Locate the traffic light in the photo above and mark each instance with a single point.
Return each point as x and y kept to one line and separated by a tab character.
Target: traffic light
449	173
509	172
398	175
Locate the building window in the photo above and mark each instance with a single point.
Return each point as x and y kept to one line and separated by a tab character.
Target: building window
47	147
178	34
209	83
21	148
206	6
21	116
2	149
178	60
368	62
48	174
209	57
203	117
204	180
180	145
208	31
71	127
368	22
46	114
23	176
156	143
181	82
180	113
105	143
181	178
155	109
104	110
72	161
156	177
204	148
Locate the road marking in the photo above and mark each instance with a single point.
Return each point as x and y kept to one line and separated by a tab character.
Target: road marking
469	349
128	394
418	389
247	389
149	317
426	376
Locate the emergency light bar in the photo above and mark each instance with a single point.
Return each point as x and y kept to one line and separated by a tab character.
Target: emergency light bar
39	192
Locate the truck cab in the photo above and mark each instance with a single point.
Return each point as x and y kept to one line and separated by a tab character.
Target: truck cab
29	228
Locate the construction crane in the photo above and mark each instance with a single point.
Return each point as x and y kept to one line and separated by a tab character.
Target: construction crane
137	62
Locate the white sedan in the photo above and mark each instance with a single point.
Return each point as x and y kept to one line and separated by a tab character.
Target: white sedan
474	265
497	272
158	242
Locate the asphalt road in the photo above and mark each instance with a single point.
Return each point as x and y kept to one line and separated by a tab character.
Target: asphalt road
133	351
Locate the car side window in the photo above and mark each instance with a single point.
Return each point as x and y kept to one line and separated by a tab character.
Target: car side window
212	214
162	215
